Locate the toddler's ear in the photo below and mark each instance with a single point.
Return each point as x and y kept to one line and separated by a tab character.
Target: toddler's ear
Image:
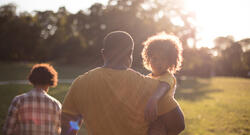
102	51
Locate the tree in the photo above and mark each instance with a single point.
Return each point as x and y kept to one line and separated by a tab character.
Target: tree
19	36
231	57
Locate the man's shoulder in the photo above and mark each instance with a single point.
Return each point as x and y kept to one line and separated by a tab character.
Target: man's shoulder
132	71
90	72
99	71
84	79
139	75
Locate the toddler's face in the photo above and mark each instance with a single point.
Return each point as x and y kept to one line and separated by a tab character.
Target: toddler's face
158	64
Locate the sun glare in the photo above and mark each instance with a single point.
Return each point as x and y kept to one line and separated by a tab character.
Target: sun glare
220	18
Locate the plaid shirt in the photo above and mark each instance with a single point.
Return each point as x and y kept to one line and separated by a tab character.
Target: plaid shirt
33	113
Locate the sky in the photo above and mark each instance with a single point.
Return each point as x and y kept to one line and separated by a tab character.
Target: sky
71	5
213	17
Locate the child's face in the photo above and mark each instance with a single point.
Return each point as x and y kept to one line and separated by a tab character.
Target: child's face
158	64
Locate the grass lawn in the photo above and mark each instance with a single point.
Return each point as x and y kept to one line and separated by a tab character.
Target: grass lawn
217	106
19	71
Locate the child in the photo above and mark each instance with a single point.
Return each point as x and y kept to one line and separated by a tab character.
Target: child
35	112
162	55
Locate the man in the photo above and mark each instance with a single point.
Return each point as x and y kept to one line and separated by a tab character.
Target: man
35	112
111	99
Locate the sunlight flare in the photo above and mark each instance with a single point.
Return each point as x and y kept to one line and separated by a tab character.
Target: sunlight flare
220	18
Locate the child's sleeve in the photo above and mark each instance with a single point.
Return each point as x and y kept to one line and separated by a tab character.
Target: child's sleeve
12	118
167	103
168	79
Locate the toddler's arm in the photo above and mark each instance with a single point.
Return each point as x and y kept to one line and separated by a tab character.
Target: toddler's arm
151	109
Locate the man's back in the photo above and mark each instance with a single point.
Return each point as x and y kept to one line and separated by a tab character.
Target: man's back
111	101
34	113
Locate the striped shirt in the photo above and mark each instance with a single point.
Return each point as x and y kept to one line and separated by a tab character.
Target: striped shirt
33	113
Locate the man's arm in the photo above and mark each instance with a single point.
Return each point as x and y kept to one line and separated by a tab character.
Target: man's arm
70	123
151	109
71	118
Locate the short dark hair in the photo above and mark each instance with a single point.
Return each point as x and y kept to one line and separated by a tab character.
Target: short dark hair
118	43
43	74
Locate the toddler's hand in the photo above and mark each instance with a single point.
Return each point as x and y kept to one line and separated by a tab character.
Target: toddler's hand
151	110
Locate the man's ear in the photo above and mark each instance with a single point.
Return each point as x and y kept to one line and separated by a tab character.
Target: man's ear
102	52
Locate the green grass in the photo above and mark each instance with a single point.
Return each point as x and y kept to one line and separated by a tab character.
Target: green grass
216	106
19	71
14	71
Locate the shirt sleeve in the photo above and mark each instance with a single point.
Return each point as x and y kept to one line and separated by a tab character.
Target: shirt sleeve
145	83
10	125
169	80
69	104
58	118
167	103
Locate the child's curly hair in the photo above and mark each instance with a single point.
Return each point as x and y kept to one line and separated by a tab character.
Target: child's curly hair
167	46
43	74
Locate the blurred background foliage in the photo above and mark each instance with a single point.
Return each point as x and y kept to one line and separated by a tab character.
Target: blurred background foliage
66	38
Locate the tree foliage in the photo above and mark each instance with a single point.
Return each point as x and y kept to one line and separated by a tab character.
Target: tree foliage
77	38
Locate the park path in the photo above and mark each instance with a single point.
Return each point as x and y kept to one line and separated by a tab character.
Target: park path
27	82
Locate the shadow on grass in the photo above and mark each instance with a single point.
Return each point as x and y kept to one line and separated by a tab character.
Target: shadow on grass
193	89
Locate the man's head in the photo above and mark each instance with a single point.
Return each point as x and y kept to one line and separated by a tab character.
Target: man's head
118	47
